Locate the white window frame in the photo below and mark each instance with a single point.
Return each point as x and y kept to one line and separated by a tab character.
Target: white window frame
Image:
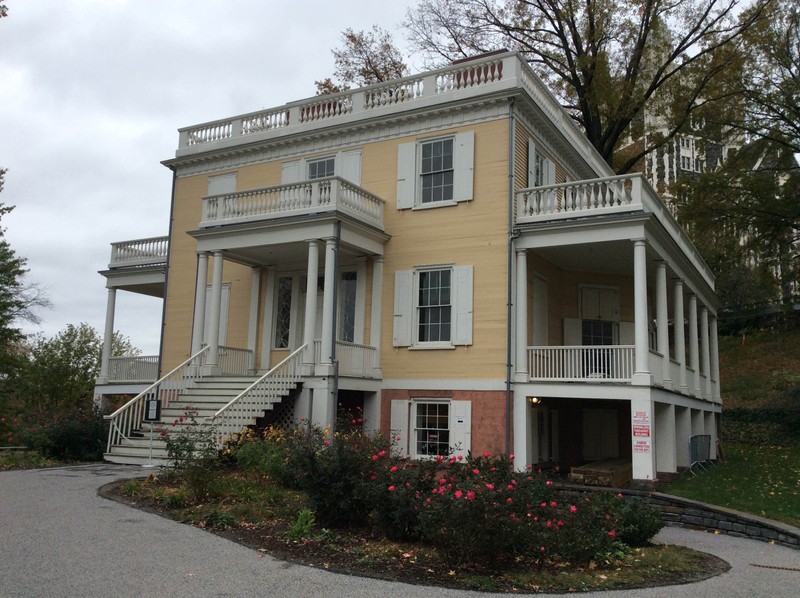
346	165
403	426
406	307
541	169
323	159
409	171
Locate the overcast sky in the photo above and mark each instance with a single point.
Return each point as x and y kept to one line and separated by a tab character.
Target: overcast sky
92	93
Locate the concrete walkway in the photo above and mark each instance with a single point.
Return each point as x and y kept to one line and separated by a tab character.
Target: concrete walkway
59	538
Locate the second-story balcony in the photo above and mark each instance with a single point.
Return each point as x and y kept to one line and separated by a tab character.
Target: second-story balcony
322	196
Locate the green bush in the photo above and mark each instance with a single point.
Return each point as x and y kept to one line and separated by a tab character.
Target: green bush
72	435
192	450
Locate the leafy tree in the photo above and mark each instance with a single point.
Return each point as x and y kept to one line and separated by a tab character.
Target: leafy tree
607	60
745	218
61	371
772	76
19	300
366	57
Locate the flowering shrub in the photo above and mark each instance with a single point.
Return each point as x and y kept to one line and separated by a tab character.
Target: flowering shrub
192	449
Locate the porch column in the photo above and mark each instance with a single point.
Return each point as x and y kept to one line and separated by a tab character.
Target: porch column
200	302
715	359
641	375
694	344
662	322
267	329
680	336
252	330
643	458
706	351
108	336
522	317
216	305
666	435
523	431
375	311
310	322
683	430
327	301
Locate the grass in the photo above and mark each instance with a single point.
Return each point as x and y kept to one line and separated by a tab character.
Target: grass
754	479
24	459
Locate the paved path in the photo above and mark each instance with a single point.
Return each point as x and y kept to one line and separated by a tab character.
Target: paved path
59	538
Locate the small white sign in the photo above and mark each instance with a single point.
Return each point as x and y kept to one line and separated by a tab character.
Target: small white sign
460	420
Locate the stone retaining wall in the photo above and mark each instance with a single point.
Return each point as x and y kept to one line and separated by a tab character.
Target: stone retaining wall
683	512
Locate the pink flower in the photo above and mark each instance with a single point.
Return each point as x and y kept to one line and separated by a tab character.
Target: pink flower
549	524
439	458
382	454
573	509
394	468
554	504
374	457
325	442
397	438
490	486
548	483
612	533
511	456
541	549
470	495
391	488
487	454
302	419
509	500
442	481
460	457
476	471
458	494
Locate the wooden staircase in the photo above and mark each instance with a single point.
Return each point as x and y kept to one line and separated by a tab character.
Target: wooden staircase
205	398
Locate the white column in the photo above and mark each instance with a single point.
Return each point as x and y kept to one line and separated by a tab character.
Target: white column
327	301
706	351
642	374
666	435
694	344
108	336
216	306
662	321
643	438
521	327
523	431
715	359
375	310
268	318
200	302
680	336
252	330
310	321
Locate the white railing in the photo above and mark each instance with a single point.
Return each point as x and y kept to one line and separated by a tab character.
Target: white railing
235	362
141	252
138	368
580	198
130	416
259	397
356	360
607	363
323	195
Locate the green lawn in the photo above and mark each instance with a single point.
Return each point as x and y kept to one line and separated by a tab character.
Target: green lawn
761	480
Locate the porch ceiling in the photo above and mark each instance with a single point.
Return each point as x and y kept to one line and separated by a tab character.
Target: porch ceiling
613	257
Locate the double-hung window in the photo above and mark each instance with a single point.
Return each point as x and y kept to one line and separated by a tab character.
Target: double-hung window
541	170
435	172
430	427
322	168
433	307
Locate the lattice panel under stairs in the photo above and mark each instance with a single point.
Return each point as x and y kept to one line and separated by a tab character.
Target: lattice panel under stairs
281	415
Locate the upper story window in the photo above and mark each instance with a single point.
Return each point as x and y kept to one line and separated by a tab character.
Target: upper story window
319	169
433	307
345	164
222	183
541	170
435	172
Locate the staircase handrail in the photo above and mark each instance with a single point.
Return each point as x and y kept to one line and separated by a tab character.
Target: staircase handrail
289	364
131	415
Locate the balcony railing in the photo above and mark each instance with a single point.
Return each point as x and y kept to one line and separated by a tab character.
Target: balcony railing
141	252
358	361
607	363
312	197
580	198
136	369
